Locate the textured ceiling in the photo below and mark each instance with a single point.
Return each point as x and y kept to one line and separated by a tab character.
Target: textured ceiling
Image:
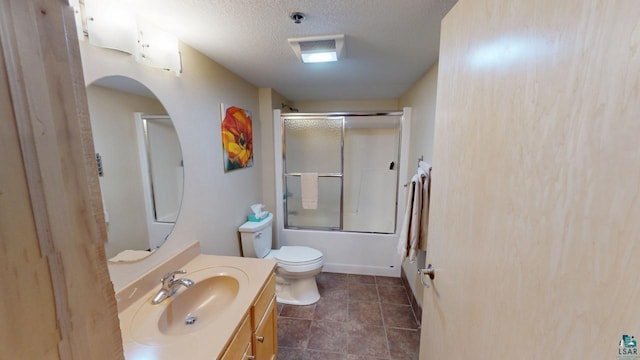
389	43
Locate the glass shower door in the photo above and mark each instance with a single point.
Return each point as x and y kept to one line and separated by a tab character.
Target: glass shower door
313	145
371	154
356	160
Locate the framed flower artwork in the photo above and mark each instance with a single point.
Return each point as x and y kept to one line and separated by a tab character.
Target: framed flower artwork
237	138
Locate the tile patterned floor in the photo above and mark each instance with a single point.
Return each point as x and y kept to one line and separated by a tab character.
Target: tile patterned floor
358	317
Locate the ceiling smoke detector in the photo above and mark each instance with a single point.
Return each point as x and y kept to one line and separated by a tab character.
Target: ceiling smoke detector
297	17
315	49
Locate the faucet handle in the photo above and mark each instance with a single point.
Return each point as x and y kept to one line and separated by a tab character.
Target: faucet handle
170	276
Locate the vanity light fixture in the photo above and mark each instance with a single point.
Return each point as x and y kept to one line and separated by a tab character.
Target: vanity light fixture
158	48
314	49
110	24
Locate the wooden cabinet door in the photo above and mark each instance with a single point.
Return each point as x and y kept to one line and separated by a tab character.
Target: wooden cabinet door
265	339
242	339
248	352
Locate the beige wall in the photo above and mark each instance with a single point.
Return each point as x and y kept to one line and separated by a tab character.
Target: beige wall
421	97
215	203
114	137
347	105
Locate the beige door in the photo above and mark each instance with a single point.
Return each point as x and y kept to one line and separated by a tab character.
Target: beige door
535	209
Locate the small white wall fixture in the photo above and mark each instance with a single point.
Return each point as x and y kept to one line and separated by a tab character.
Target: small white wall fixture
158	231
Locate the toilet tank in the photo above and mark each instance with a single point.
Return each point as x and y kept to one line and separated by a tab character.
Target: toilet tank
256	237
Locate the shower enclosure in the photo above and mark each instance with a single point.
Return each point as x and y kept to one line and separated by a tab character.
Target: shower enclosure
356	159
362	161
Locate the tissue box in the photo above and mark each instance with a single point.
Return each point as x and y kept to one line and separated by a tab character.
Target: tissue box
253	218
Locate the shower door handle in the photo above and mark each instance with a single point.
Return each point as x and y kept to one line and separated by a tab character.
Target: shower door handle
429	271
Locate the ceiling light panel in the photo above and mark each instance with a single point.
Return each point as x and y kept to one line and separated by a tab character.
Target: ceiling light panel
318	48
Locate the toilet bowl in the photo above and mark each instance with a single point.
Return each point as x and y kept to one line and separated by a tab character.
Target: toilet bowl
297	265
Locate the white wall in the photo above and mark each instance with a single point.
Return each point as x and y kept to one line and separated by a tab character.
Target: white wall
215	203
114	136
422	98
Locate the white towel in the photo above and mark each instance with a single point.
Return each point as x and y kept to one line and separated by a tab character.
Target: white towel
425	176
410	232
424	166
104	208
131	255
309	190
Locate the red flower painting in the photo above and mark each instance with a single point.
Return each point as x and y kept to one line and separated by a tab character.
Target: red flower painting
237	138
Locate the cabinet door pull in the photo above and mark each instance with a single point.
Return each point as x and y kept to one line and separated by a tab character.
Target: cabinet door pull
251	357
260	338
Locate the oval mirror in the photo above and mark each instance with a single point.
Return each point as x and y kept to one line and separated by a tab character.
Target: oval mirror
140	166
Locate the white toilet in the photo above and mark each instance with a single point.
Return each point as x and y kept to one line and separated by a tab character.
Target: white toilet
297	265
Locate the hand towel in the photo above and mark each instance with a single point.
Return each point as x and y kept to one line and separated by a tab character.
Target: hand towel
131	255
410	232
309	190
425	176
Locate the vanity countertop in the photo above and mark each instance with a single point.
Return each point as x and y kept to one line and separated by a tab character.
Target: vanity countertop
211	339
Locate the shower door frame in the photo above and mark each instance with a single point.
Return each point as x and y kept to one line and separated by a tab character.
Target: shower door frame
333	116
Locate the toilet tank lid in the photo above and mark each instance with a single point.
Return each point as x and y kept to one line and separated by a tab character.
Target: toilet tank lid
253	226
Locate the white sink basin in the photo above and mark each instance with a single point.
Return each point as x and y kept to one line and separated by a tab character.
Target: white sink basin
192	309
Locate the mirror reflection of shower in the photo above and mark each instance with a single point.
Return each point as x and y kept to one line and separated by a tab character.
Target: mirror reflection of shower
354	157
166	173
162	174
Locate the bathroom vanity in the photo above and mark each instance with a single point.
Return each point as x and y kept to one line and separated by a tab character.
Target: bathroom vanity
230	312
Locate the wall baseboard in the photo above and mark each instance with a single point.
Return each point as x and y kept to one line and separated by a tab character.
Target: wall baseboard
362	269
417	309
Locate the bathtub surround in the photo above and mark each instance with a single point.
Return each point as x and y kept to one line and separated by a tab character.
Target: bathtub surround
345	251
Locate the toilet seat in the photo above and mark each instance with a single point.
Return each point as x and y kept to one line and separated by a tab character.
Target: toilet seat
297	255
297	259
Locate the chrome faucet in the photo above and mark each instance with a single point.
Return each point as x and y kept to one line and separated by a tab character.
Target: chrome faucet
170	285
